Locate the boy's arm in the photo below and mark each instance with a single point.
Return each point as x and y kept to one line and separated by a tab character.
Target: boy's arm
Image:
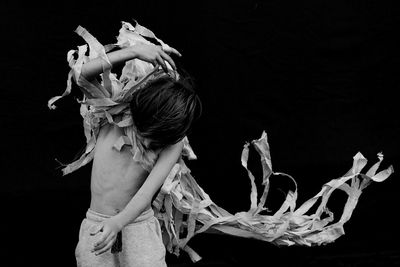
146	52
110	227
167	159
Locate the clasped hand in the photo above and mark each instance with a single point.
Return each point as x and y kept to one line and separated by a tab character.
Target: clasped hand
107	231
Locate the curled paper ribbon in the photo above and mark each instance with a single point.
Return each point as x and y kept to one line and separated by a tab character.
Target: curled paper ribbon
181	195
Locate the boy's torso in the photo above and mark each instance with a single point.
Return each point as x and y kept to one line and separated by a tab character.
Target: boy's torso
115	176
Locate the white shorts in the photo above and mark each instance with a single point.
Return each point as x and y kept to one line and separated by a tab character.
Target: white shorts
142	243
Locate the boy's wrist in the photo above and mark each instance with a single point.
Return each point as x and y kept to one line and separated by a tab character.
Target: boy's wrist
119	222
122	55
130	51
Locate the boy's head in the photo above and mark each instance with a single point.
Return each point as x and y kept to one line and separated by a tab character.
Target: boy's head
164	110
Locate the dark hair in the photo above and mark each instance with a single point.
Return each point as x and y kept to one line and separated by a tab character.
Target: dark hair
164	110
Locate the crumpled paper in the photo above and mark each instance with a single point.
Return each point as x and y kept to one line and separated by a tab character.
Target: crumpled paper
183	207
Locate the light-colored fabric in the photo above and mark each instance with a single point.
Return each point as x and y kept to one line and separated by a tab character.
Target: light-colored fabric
142	244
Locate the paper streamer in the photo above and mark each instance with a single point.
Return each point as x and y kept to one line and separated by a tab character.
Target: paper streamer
288	226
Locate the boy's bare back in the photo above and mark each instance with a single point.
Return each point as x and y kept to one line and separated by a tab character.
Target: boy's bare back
116	177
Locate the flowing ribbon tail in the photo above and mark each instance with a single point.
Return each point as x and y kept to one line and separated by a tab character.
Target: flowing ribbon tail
194	212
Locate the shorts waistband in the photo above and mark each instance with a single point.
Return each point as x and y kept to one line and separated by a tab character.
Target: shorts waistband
99	217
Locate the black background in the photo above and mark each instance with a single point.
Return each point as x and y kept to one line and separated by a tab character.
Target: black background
319	77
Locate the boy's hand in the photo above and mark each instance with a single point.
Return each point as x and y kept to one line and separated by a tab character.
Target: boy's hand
108	230
154	55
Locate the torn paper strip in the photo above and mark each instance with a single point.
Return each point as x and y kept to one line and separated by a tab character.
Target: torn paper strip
181	194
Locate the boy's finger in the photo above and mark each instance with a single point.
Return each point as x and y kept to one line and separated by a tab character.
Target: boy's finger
168	59
101	251
162	63
96	230
172	50
101	245
102	238
155	63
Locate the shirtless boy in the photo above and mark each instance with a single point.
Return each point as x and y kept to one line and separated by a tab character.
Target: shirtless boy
122	188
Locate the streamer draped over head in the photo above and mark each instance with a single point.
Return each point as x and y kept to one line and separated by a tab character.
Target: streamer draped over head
108	102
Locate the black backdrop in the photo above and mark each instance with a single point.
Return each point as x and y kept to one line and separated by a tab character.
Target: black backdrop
319	77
